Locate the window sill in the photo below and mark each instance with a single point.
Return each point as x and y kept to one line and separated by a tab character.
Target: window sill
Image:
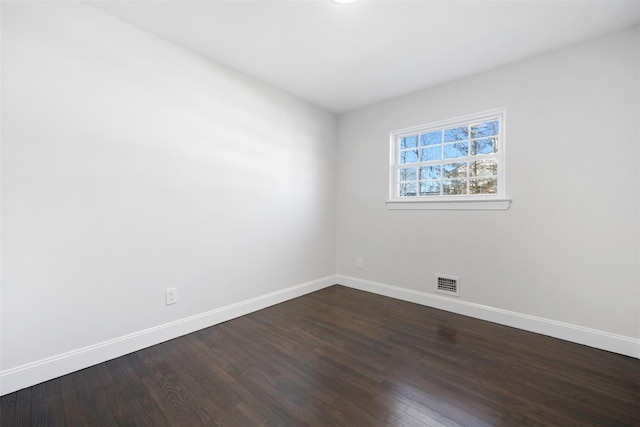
453	205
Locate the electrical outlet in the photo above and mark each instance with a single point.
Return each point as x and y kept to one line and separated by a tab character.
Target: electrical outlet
359	263
171	296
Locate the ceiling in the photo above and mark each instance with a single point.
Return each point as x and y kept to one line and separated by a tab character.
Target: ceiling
345	56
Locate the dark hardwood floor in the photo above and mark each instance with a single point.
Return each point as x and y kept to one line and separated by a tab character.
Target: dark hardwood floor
344	357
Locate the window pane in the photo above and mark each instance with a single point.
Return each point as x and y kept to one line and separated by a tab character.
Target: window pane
409	156
454	186
484	146
430	188
408	174
483	168
462	157
454	170
488	185
409	142
485	129
456	134
431	153
430	172
459	149
431	138
407	189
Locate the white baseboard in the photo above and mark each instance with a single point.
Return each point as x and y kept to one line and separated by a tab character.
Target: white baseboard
46	369
594	338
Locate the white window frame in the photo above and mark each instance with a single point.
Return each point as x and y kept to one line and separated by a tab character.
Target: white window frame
498	201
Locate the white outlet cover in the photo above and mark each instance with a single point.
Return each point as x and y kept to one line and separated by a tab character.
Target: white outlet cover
171	296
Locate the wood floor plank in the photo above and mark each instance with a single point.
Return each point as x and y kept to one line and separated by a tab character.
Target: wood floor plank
363	392
249	404
23	407
109	397
39	405
325	391
98	389
166	392
54	403
343	357
140	404
209	388
312	358
84	393
8	416
281	383
215	389
74	411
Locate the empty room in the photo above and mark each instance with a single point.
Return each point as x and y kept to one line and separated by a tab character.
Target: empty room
319	212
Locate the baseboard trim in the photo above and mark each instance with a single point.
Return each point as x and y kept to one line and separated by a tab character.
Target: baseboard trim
591	337
46	369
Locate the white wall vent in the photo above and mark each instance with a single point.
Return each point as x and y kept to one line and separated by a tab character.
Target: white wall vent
449	285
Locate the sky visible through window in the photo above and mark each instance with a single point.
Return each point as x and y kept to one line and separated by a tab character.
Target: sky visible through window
456	160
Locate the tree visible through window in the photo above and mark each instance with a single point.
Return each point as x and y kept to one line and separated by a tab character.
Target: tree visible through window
460	158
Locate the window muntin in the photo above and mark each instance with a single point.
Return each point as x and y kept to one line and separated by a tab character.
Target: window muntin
460	158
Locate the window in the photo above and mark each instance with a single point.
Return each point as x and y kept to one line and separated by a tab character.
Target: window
442	164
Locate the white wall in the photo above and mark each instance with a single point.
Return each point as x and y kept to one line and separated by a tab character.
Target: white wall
567	249
129	166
